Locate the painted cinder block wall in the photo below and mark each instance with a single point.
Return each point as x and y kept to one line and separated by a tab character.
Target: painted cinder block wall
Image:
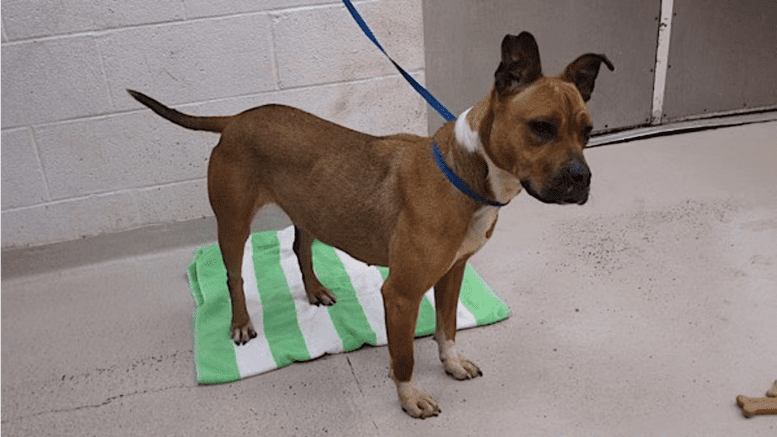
81	158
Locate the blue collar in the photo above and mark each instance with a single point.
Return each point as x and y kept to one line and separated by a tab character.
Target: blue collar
459	182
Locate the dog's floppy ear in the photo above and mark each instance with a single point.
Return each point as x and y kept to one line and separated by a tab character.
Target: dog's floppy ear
583	71
520	64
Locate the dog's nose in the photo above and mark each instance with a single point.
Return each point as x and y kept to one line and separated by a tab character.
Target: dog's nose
578	172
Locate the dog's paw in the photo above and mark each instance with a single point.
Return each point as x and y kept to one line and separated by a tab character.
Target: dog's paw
242	335
455	363
319	295
417	403
461	368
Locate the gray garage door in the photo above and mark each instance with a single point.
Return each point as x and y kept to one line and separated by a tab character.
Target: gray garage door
722	55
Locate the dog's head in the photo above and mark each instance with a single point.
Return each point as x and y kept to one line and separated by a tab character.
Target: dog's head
541	124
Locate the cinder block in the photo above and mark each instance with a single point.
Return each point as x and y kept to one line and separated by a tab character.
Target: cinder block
209	8
27	227
376	106
36	18
52	80
173	202
69	220
324	45
190	61
119	152
399	25
23	183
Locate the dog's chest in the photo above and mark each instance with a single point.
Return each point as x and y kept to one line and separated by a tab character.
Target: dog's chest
480	228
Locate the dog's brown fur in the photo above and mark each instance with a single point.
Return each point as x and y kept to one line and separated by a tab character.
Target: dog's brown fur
384	201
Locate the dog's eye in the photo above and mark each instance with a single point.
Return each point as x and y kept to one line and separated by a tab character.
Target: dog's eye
545	130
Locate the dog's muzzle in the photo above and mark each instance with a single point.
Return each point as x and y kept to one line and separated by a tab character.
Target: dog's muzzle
569	185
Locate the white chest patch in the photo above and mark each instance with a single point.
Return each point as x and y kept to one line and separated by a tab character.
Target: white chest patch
478	231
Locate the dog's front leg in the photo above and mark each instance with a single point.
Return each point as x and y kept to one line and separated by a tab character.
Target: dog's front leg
446	299
418	258
401	310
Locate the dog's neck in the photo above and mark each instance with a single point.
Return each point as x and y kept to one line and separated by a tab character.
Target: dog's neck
502	184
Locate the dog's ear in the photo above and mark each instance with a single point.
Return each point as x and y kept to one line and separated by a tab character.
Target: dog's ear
520	64
583	71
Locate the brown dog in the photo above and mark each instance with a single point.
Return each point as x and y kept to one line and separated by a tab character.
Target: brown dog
385	200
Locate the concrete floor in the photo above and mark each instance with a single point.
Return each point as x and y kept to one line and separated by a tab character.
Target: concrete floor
643	313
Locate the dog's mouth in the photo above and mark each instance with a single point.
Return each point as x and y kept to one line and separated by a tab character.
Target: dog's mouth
564	195
570	186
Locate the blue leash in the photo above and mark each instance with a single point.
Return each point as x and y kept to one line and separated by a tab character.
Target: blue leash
458	182
442	110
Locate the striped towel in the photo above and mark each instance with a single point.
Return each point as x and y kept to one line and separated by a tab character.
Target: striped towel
291	329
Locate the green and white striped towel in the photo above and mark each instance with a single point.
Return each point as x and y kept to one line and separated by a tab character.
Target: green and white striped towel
291	329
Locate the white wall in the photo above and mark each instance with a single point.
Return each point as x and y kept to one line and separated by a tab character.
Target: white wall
81	158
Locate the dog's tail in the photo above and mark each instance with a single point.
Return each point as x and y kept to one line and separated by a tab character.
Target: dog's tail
210	124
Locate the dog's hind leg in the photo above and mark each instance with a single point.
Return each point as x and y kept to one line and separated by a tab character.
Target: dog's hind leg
234	201
317	293
232	242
